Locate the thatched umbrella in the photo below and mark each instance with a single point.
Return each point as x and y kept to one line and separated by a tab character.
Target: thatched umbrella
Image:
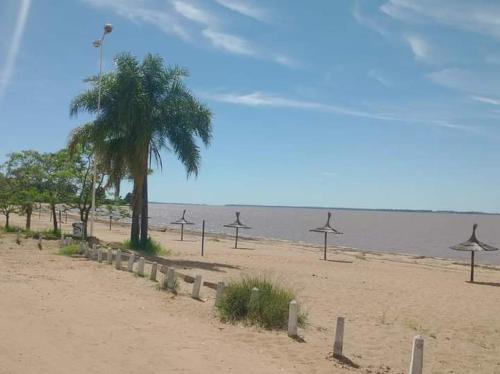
182	221
473	245
326	229
237	225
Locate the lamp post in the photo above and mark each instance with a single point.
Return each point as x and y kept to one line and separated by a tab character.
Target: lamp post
98	44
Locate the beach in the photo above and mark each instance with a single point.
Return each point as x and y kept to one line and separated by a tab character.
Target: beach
63	314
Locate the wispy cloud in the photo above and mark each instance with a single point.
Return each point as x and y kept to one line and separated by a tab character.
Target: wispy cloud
262	99
475	16
245	8
420	47
194	13
477	83
11	56
367	21
183	18
230	43
377	76
486	100
158	15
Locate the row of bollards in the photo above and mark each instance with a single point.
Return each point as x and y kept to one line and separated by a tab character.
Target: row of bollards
170	283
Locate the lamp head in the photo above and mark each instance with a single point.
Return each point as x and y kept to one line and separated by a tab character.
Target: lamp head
96	43
108	28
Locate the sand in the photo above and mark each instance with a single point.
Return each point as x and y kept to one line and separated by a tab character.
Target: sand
61	315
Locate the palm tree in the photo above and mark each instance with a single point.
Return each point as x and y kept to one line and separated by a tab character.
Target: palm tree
145	109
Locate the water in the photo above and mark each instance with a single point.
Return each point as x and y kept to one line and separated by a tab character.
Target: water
425	234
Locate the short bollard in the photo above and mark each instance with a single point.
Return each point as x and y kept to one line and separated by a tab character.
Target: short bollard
339	338
417	355
196	287
118	259
40	243
254	295
110	256
99	255
130	266
293	312
219	293
18	237
154	267
93	252
170	278
140	267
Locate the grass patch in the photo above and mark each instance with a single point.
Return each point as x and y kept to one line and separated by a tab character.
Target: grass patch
70	250
11	229
151	247
268	310
49	234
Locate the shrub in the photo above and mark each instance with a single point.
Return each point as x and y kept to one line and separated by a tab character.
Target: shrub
70	250
269	309
10	229
49	234
152	247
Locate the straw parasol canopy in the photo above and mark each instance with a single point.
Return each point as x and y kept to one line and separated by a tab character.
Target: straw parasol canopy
473	245
182	221
326	229
237	225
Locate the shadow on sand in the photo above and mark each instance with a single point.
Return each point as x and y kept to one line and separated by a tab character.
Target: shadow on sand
492	284
190	264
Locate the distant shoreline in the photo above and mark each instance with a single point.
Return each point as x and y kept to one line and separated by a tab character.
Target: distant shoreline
335	208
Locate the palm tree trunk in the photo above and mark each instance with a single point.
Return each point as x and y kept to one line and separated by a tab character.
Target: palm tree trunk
136	212
144	212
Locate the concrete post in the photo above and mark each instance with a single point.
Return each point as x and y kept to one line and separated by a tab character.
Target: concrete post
417	355
339	338
254	296
130	266
219	293
154	267
293	313
196	287
18	237
118	259
99	255
93	252
110	256
140	267
170	278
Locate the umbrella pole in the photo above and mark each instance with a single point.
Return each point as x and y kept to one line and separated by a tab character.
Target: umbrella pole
324	255
182	233
236	239
472	266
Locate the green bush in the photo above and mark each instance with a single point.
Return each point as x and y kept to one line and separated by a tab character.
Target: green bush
49	234
269	309
151	247
70	250
10	229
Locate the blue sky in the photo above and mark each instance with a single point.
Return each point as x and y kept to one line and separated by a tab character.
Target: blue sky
366	104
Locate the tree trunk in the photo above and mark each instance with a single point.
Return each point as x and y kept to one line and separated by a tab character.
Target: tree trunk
136	212
54	216
29	212
144	212
7	215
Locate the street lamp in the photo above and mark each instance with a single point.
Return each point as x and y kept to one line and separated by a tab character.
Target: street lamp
98	44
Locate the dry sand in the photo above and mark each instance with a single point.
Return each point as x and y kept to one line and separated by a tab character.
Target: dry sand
68	315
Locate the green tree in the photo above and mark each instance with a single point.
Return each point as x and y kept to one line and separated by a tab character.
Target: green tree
146	108
25	168
8	202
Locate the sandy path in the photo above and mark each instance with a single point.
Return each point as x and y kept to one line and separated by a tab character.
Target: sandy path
63	315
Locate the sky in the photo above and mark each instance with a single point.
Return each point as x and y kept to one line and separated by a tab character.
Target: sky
364	104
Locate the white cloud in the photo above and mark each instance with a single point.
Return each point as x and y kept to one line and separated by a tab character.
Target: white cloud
475	16
261	99
367	21
245	8
229	43
421	48
8	68
287	61
486	100
481	83
194	13
151	12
